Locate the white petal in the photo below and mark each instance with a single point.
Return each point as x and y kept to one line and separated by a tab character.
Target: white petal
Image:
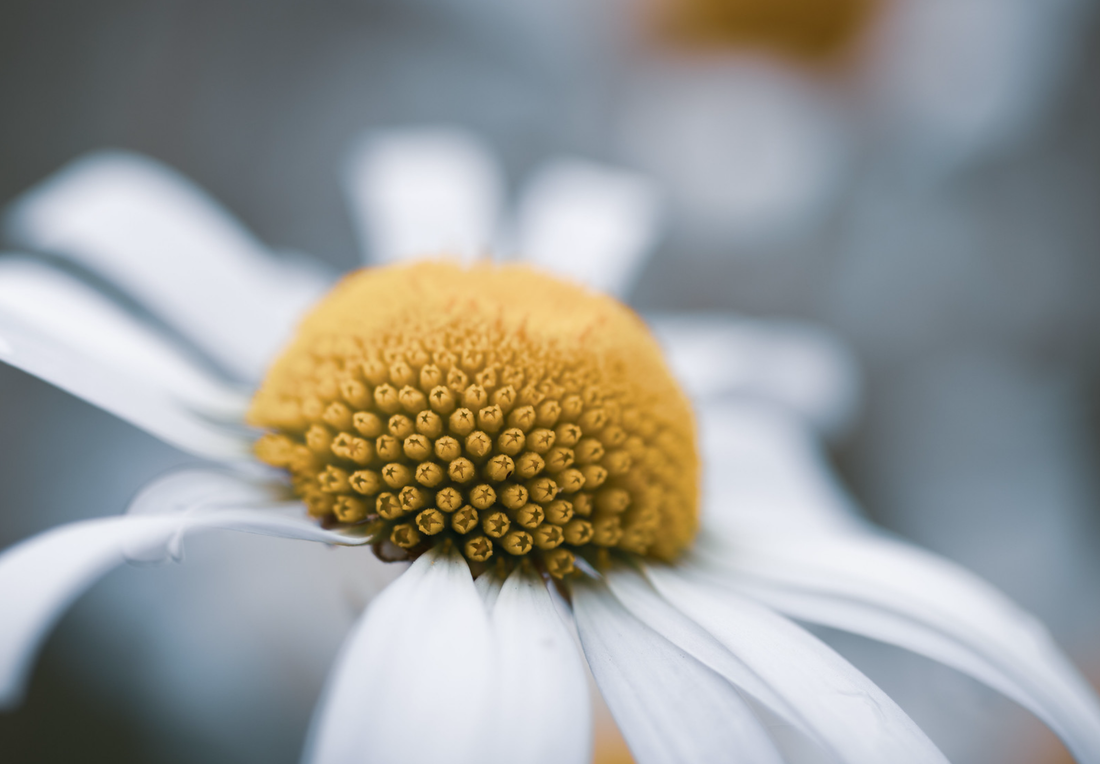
669	706
855	719
591	223
222	500
424	192
285	520
800	367
896	593
631	589
40	577
488	587
541	711
753	155
958	80
73	314
188	489
175	250
763	471
128	398
413	680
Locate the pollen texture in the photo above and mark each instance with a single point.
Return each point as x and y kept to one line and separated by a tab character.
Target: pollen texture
501	410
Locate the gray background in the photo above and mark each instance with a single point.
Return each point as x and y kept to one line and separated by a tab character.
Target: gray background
970	299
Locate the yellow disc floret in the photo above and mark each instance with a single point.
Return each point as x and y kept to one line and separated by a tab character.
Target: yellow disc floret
495	408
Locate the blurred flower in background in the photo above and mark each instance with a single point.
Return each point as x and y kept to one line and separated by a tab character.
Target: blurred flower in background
928	195
813	32
763	117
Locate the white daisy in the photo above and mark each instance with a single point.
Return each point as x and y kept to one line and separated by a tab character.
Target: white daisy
762	116
694	655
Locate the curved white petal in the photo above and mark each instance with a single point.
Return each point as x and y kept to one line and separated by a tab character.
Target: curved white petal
286	520
896	593
800	367
41	576
763	471
128	398
541	712
74	314
413	681
842	708
669	706
647	606
187	489
592	223
174	249
422	192
214	499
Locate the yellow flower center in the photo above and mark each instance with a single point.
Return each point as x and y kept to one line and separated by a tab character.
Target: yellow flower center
498	409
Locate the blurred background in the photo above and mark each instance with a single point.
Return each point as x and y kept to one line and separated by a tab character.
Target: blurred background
922	177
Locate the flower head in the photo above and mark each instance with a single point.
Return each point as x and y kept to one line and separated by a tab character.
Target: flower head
496	408
464	417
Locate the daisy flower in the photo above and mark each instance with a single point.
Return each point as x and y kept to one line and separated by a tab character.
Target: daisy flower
523	442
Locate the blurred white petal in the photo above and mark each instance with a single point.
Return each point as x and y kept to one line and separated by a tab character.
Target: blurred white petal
76	315
764	472
669	706
846	710
413	681
593	224
541	712
424	192
896	593
801	367
128	398
40	577
748	151
157	236
961	79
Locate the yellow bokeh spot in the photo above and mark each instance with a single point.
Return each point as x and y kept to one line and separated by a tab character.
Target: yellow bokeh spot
491	407
811	30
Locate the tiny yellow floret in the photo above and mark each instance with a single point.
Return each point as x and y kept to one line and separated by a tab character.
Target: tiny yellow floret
494	408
